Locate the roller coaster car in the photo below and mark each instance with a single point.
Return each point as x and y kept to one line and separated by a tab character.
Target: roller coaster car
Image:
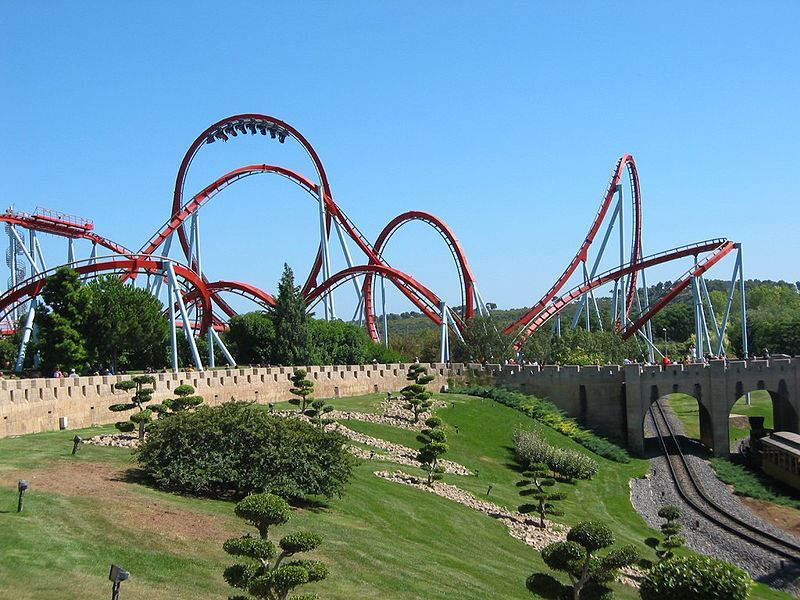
63	220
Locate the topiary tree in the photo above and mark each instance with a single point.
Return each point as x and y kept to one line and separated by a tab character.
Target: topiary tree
302	388
416	396
319	408
695	577
266	574
537	478
665	548
589	574
184	400
141	396
434	443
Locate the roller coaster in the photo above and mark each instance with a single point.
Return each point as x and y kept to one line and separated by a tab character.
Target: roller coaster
197	306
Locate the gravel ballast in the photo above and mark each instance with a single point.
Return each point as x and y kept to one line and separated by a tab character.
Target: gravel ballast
657	489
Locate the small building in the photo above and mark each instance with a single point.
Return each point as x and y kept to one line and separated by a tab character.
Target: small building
780	457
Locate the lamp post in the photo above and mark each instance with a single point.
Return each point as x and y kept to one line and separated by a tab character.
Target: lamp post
21	486
665	341
116	577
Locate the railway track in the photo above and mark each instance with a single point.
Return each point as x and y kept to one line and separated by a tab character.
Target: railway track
692	492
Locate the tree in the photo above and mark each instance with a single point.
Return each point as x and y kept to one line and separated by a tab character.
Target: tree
416	396
302	388
665	548
678	319
184	400
533	487
434	441
576	557
141	396
695	577
238	448
338	343
124	326
292	335
59	345
65	296
60	321
251	338
266	574
483	342
316	414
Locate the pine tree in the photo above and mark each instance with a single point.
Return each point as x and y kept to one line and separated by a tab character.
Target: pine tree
266	575
434	442
302	387
670	529
533	486
292	333
141	396
184	400
416	396
588	573
319	408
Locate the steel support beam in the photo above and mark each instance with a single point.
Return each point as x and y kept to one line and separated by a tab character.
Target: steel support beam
26	336
728	302
225	352
383	308
173	338
326	261
211	358
444	345
187	327
347	257
745	349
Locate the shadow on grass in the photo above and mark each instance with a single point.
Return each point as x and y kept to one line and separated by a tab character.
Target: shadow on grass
136	476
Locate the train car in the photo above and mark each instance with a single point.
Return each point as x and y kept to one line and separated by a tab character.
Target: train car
780	457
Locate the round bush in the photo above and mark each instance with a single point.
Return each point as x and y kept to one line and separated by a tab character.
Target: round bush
592	535
695	578
238	448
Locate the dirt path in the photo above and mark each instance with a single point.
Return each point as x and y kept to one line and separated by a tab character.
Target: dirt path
108	483
784	517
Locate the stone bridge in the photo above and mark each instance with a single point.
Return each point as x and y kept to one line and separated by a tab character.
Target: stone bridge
614	400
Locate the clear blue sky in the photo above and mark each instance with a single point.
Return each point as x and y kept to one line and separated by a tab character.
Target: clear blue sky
502	118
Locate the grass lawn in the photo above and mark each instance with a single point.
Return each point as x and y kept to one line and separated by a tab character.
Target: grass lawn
382	540
365	404
688	412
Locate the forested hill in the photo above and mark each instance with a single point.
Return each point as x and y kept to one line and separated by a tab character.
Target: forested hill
413	322
773	319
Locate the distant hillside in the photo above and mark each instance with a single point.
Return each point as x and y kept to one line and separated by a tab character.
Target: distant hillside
412	322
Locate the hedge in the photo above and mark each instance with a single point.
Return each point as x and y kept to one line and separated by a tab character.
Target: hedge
549	414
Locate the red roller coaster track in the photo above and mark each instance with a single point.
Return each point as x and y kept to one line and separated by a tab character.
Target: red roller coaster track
200	292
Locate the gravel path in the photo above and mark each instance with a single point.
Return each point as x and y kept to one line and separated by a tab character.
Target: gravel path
657	489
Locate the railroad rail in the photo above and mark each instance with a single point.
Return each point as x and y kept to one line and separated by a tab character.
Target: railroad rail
692	492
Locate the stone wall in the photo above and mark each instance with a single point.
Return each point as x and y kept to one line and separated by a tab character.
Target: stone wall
611	399
33	405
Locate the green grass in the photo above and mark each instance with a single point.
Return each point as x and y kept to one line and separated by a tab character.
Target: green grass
365	404
382	540
686	409
752	484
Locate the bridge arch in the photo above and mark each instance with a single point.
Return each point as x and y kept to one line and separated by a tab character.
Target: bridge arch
685	403
773	409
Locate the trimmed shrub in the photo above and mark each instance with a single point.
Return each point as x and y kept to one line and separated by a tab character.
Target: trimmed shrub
238	448
549	414
530	449
588	573
695	578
